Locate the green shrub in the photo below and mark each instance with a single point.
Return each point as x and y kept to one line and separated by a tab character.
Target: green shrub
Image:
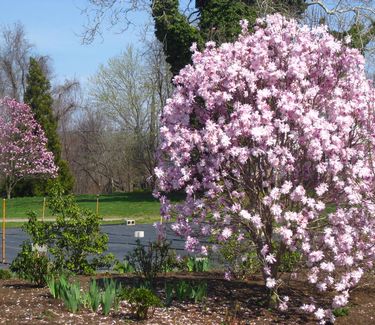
150	261
141	301
5	274
31	265
73	237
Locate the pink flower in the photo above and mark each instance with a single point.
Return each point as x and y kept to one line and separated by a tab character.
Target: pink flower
262	158
320	314
226	233
321	189
270	258
245	214
264	250
228	276
270	283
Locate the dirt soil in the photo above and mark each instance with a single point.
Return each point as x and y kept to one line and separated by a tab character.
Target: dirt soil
228	302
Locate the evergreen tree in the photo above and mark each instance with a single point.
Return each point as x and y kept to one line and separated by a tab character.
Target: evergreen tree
38	97
216	20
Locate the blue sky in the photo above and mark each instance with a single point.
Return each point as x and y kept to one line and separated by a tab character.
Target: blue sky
53	26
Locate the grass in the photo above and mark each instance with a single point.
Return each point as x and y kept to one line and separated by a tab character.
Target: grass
140	206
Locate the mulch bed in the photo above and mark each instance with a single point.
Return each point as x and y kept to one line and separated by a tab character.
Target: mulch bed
228	302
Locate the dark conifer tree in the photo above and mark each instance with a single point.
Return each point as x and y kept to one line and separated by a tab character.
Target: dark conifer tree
38	96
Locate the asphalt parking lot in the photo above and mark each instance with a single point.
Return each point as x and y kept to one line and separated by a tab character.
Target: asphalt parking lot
122	239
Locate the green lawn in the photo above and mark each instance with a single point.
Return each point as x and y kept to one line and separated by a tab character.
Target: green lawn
138	205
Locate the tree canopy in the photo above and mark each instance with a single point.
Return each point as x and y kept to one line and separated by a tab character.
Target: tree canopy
272	139
23	151
38	97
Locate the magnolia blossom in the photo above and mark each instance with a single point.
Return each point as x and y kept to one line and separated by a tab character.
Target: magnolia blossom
23	145
272	136
270	282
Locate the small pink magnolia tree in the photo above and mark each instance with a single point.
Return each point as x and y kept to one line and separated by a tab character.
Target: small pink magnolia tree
23	151
263	135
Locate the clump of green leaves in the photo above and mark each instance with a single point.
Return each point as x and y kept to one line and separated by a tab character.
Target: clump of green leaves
109	296
93	297
340	312
289	261
199	292
72	238
123	267
169	293
61	288
197	264
53	285
5	274
242	260
183	290
142	301
71	296
31	265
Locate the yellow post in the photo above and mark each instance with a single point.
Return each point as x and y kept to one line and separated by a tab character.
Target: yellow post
3	234
97	204
44	208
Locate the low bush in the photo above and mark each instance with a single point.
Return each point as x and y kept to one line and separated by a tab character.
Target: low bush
5	274
31	265
71	239
148	261
142	301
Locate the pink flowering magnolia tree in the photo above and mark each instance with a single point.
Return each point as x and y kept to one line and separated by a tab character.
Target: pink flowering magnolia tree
263	135
23	151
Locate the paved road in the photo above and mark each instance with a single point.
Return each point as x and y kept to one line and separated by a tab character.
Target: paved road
121	239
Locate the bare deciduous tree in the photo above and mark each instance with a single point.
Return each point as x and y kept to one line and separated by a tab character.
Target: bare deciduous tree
113	142
15	51
67	100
